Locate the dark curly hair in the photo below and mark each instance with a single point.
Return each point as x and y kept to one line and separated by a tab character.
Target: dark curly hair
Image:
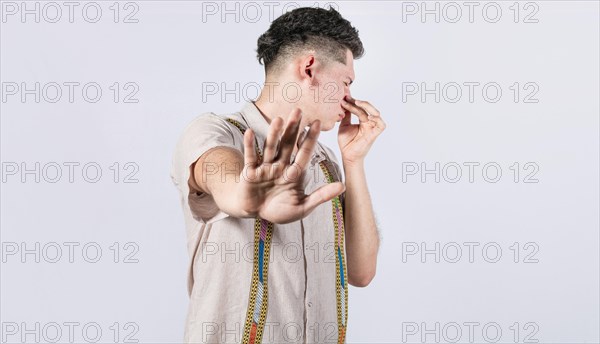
325	31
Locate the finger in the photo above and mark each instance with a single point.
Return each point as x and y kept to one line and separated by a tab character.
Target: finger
289	136
363	116
347	120
250	157
307	147
378	122
370	108
301	137
270	147
321	195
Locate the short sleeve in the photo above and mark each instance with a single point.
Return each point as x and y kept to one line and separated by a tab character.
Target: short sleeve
205	132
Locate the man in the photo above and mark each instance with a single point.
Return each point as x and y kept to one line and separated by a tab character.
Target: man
274	235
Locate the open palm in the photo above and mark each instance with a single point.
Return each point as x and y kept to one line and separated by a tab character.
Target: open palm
272	187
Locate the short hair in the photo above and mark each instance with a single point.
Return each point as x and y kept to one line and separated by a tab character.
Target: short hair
307	28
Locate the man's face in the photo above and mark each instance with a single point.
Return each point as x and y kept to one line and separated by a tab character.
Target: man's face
324	100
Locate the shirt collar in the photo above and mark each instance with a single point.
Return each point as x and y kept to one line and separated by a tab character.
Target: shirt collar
255	119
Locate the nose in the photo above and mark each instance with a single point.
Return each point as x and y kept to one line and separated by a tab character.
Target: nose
347	95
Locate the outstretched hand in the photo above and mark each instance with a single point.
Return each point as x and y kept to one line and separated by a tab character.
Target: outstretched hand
272	187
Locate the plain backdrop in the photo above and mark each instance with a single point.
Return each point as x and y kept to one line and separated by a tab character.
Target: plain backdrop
515	252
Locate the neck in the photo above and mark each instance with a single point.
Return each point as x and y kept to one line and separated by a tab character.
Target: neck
271	104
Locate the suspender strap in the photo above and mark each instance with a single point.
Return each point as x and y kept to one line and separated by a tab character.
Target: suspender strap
341	283
259	291
263	231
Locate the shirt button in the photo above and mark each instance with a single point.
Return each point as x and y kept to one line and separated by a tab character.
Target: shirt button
310	304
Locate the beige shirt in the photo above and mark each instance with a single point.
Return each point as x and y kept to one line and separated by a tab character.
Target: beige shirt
304	303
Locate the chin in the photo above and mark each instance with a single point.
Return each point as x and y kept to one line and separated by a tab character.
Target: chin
328	127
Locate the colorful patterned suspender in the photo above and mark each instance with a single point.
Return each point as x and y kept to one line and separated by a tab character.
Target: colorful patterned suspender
263	231
340	262
257	305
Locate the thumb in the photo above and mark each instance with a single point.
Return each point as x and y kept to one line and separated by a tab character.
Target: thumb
321	195
346	120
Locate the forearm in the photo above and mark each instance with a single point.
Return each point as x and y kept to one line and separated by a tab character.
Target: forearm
362	237
217	173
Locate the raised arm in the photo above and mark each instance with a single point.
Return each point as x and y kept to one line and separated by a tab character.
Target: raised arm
271	188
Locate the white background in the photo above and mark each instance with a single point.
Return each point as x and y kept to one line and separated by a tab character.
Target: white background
176	47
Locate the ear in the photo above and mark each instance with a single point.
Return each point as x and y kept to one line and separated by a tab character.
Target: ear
307	67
